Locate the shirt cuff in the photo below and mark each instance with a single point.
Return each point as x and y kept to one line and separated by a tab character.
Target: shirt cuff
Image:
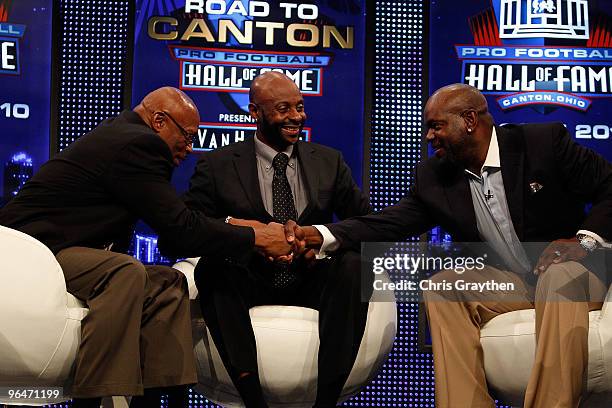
330	243
596	237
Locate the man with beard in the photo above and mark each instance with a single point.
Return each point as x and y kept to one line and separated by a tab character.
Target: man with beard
277	177
502	185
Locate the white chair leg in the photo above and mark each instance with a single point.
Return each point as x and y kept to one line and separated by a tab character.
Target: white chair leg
115	402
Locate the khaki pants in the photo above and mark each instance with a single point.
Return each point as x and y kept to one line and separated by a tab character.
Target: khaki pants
562	325
137	333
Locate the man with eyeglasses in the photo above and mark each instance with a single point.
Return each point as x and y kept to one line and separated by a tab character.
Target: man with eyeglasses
180	147
277	177
83	204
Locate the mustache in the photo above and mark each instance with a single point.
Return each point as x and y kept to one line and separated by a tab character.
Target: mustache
293	123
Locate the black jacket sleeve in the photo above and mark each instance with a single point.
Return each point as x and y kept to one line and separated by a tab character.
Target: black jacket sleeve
202	191
406	218
349	200
140	180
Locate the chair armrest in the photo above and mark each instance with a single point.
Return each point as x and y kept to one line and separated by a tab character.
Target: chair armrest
187	267
33	300
606	309
32	282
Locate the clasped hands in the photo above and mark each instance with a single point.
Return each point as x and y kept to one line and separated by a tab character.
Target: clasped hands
285	243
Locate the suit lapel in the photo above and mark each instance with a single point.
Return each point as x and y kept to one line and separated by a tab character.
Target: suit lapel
310	169
459	201
245	164
512	159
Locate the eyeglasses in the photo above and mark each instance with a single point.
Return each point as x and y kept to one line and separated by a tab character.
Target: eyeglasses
189	137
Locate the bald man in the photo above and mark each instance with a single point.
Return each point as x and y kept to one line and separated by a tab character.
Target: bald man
83	204
501	185
277	177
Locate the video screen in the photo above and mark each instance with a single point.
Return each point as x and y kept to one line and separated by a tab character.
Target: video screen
25	84
540	61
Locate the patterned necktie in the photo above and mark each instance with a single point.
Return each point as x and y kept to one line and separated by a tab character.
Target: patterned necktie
283	209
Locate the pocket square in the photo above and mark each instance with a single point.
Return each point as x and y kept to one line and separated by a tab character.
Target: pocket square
535	187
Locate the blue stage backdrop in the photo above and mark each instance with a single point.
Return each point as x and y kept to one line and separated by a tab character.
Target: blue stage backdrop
93	54
536	60
213	50
25	87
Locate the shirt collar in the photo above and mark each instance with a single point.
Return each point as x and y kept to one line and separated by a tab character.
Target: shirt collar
492	160
267	154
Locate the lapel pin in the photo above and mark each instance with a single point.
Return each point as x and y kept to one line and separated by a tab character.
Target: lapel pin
535	187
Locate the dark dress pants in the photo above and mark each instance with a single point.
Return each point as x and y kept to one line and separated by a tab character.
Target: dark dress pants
332	286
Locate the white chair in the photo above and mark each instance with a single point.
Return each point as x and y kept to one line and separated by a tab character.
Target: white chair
40	322
287	344
508	343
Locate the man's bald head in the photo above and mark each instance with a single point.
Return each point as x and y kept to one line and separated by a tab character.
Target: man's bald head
170	100
173	116
457	98
267	81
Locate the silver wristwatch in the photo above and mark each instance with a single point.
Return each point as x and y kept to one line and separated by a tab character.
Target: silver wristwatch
587	242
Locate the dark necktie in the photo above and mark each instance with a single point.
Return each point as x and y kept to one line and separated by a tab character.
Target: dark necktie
283	209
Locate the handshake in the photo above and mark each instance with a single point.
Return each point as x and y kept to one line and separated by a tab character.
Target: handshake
284	243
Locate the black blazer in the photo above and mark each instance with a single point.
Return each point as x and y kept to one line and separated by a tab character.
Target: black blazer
571	175
92	193
226	183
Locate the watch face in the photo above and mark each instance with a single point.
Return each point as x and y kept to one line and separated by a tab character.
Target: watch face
587	242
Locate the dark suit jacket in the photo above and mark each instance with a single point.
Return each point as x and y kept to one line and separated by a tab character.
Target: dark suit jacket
226	183
92	193
571	175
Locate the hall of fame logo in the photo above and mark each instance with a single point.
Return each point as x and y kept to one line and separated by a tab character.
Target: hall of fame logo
231	71
540	53
222	46
544	18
